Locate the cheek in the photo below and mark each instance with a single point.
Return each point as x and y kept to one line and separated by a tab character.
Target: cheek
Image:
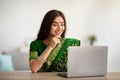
63	28
52	29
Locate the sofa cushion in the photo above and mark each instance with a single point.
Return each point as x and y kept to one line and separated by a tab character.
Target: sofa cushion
20	61
6	63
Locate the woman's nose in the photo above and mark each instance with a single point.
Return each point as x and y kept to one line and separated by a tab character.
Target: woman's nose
59	27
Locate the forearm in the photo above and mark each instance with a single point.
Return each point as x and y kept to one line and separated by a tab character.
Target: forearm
36	64
46	52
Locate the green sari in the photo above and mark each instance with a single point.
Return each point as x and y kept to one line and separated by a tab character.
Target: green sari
57	59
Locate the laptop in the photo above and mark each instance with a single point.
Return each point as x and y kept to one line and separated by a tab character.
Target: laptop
86	61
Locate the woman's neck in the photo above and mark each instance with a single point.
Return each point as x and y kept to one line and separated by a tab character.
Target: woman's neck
47	41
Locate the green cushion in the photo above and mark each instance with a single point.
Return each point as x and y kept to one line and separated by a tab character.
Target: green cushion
6	63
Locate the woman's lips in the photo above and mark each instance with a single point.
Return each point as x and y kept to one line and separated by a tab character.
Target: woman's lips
58	33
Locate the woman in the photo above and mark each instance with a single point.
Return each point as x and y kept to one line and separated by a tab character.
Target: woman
49	51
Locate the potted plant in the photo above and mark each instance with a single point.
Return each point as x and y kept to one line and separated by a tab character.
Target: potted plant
92	39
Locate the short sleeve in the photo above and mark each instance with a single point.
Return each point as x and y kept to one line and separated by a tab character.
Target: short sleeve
33	51
33	46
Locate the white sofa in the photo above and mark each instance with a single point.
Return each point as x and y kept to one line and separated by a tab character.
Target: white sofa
20	59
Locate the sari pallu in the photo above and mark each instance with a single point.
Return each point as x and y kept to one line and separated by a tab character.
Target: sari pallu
57	60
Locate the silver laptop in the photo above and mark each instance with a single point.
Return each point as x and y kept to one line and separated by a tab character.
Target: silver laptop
86	61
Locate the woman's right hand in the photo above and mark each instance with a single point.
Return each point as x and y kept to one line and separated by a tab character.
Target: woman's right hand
54	42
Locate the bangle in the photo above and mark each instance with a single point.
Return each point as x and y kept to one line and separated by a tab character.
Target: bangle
42	59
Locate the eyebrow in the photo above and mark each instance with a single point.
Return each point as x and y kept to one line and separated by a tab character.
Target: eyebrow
57	22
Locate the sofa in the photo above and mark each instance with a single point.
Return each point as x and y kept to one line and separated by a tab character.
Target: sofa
14	60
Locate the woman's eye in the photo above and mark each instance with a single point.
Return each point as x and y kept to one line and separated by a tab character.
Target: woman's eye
54	24
62	24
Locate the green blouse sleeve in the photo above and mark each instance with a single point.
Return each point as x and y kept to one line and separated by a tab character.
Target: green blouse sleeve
33	51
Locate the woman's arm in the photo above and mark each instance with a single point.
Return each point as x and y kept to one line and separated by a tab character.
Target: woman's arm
36	64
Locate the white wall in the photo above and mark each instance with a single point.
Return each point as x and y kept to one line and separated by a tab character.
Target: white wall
20	21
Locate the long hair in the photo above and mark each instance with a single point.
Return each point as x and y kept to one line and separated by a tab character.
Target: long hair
47	22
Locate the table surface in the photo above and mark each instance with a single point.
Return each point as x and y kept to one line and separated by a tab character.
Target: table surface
24	75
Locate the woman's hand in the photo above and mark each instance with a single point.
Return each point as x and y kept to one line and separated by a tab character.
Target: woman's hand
53	42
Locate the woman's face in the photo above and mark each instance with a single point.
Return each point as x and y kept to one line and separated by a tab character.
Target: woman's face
57	27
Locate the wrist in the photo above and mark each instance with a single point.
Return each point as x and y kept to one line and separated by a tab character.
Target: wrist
50	48
42	59
46	52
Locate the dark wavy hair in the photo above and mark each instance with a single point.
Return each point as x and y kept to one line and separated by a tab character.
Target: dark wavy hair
47	22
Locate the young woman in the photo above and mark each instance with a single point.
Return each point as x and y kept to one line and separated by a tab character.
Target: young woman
48	52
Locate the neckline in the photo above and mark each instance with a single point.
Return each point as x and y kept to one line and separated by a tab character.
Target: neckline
43	43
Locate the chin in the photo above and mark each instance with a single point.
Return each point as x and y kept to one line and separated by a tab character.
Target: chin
58	36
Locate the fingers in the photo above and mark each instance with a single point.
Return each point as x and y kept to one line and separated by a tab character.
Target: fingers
58	37
58	40
54	41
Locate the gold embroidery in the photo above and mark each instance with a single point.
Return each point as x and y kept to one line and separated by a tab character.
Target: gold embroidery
33	55
53	54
